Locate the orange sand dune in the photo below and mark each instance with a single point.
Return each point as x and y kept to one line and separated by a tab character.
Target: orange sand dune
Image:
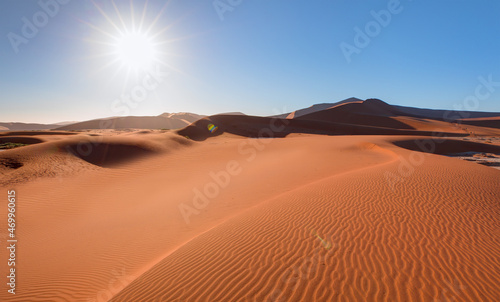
315	108
163	121
368	113
231	218
252	126
370	117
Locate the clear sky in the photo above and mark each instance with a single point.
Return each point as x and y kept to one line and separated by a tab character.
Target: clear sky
82	60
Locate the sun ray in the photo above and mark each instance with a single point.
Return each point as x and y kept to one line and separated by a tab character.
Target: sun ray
157	17
143	15
107	65
119	16
97	56
161	31
97	28
98	42
132	15
125	83
170	67
177	39
100	69
113	76
171	54
106	16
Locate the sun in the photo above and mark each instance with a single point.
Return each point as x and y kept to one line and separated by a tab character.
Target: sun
135	50
131	41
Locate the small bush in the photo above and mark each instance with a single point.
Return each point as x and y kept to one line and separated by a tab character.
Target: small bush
10	145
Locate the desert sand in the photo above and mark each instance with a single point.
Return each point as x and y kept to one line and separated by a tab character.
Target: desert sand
358	204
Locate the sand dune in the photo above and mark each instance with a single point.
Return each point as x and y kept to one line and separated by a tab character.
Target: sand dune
447	146
251	126
446	115
20	140
491	122
370	117
164	121
385	245
26	126
368	113
315	108
307	217
220	211
34	133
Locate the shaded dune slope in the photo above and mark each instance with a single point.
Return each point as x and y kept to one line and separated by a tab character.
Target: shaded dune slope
315	108
370	117
444	115
251	126
446	146
35	133
50	156
491	122
19	140
368	113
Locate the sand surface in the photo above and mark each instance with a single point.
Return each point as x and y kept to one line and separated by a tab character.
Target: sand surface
307	217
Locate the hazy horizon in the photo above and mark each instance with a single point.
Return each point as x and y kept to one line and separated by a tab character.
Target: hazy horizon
105	117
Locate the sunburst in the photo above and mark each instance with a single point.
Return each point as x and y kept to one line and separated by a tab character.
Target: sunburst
131	47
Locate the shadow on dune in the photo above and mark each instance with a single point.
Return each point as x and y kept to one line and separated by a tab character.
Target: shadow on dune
485	122
11	163
372	112
33	133
109	154
370	117
20	140
265	127
446	146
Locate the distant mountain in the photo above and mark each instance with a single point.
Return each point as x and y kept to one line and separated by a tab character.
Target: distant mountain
66	123
231	113
25	126
163	121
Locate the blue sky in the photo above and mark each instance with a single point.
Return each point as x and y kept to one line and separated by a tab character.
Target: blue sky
258	57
